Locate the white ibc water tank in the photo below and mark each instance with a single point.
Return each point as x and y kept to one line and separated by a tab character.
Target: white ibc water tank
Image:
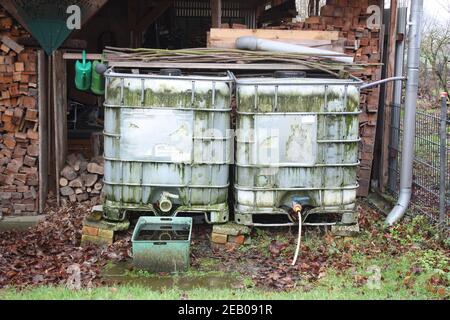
167	144
297	140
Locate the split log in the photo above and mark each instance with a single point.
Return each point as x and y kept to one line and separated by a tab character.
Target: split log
19	127
69	173
89	179
76	183
95	168
63	182
11	44
66	191
98	186
83	178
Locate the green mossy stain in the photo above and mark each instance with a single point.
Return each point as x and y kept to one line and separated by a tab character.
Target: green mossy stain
353	103
113	91
131	98
295	102
168	98
286	103
351	150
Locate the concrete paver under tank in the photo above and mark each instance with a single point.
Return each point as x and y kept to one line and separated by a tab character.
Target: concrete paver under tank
296	138
167	144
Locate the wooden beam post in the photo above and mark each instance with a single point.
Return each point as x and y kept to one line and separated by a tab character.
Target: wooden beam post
138	24
43	130
132	21
91	9
59	91
152	14
387	115
216	13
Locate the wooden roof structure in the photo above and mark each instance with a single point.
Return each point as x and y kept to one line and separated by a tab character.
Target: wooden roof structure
46	20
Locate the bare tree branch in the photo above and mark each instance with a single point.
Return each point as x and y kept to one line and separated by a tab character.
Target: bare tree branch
435	52
445	4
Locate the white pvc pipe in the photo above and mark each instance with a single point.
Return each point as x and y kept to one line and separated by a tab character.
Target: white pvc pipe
257	44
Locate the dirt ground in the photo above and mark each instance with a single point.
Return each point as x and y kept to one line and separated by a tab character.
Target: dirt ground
44	255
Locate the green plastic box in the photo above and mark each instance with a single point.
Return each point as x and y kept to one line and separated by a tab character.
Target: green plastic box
161	244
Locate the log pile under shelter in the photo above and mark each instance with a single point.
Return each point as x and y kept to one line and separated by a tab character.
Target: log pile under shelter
81	180
19	122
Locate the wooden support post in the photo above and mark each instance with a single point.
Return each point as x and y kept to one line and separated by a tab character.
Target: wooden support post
133	9
56	147
43	130
59	75
216	13
138	23
152	14
387	115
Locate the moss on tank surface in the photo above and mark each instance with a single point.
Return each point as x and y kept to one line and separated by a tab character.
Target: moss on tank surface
168	98
351	127
291	103
135	194
351	152
333	123
301	101
353	101
113	91
167	93
349	176
132	196
112	120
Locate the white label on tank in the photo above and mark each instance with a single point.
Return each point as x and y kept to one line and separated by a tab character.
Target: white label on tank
156	135
286	138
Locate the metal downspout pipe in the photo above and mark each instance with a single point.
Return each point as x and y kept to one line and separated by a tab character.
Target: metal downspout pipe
412	84
397	97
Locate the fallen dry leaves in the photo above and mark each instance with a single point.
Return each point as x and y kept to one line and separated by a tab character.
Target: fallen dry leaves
44	255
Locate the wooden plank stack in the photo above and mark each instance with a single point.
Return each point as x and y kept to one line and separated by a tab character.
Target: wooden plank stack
82	180
349	18
19	123
226	38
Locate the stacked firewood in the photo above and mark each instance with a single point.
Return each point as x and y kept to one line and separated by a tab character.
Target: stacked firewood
19	135
363	41
81	180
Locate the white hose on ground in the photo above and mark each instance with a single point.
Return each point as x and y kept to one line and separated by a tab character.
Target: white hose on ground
297	251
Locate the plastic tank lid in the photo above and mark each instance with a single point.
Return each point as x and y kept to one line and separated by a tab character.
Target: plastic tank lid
289	74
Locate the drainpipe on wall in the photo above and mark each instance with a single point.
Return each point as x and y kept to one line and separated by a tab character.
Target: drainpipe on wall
412	85
402	21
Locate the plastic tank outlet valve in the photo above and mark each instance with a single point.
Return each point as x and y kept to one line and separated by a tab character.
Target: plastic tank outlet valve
165	203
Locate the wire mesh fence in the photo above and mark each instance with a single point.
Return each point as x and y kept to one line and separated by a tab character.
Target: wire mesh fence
431	170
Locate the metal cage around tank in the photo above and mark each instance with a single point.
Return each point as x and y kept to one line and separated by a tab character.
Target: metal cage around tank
167	144
296	138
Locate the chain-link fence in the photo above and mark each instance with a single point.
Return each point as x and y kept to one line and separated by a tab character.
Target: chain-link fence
431	173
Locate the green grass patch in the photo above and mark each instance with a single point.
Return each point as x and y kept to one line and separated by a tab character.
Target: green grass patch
374	279
407	261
